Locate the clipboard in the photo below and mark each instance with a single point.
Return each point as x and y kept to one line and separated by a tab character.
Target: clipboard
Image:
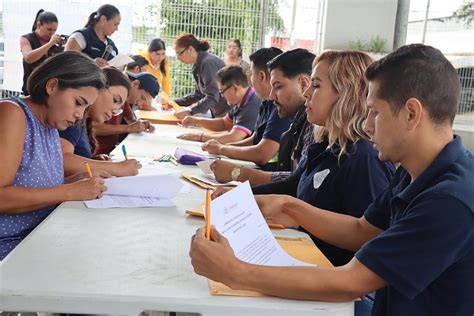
301	248
158	117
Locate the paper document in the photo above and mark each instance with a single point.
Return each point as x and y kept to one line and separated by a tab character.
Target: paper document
205	166
236	215
148	185
120	60
149	190
115	201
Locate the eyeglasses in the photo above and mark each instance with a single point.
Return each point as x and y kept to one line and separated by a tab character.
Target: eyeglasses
221	92
181	52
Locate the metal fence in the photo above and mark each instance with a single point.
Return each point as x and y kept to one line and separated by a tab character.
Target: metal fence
466	100
256	23
217	21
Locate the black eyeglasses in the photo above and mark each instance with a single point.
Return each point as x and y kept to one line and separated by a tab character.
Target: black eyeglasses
181	52
221	92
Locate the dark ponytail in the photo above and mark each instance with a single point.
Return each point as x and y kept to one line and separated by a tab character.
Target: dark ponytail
44	17
107	10
187	39
203	45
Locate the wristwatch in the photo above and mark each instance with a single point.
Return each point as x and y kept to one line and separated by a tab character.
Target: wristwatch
235	173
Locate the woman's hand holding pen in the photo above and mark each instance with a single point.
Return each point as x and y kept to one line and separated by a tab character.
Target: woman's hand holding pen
125	168
86	189
101	62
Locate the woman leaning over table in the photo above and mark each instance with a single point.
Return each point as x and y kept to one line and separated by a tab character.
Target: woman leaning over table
32	181
78	142
206	97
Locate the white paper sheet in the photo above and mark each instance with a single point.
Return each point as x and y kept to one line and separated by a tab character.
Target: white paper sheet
236	215
120	60
148	185
114	201
205	166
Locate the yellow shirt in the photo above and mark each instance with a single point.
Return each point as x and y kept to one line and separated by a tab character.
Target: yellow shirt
163	80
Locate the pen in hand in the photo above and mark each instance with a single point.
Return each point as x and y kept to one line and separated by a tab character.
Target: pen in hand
208	214
89	171
124	150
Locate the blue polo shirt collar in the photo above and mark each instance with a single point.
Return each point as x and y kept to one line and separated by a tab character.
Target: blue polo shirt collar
407	191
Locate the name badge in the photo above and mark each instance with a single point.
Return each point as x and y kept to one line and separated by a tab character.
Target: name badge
319	177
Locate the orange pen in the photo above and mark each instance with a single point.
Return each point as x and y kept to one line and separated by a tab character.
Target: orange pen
208	214
89	171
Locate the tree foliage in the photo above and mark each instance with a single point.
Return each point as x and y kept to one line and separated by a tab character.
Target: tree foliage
465	12
217	21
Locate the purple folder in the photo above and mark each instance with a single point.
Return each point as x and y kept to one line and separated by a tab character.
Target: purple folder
188	157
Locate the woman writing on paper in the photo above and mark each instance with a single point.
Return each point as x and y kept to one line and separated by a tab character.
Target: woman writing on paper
78	142
93	40
32	181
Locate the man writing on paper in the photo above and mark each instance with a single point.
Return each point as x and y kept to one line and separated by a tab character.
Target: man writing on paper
415	242
239	122
263	145
289	77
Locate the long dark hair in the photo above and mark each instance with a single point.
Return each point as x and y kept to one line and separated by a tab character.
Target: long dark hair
237	42
114	78
71	69
107	10
155	45
44	17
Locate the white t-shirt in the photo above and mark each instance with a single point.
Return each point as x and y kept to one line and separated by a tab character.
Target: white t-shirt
80	39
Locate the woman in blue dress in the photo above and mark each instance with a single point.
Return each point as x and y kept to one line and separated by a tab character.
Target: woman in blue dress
32	181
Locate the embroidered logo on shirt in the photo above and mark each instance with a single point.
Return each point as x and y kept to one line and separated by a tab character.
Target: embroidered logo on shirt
319	177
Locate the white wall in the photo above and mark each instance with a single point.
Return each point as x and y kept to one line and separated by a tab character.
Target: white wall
350	20
18	16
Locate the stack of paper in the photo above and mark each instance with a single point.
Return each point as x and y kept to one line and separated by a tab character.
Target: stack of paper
148	190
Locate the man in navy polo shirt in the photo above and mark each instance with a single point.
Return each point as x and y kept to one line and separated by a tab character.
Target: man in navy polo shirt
415	242
262	147
239	122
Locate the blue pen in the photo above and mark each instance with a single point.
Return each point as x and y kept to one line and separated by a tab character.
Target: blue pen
124	152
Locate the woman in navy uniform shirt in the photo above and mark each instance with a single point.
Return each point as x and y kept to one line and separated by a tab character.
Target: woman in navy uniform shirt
93	40
341	172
